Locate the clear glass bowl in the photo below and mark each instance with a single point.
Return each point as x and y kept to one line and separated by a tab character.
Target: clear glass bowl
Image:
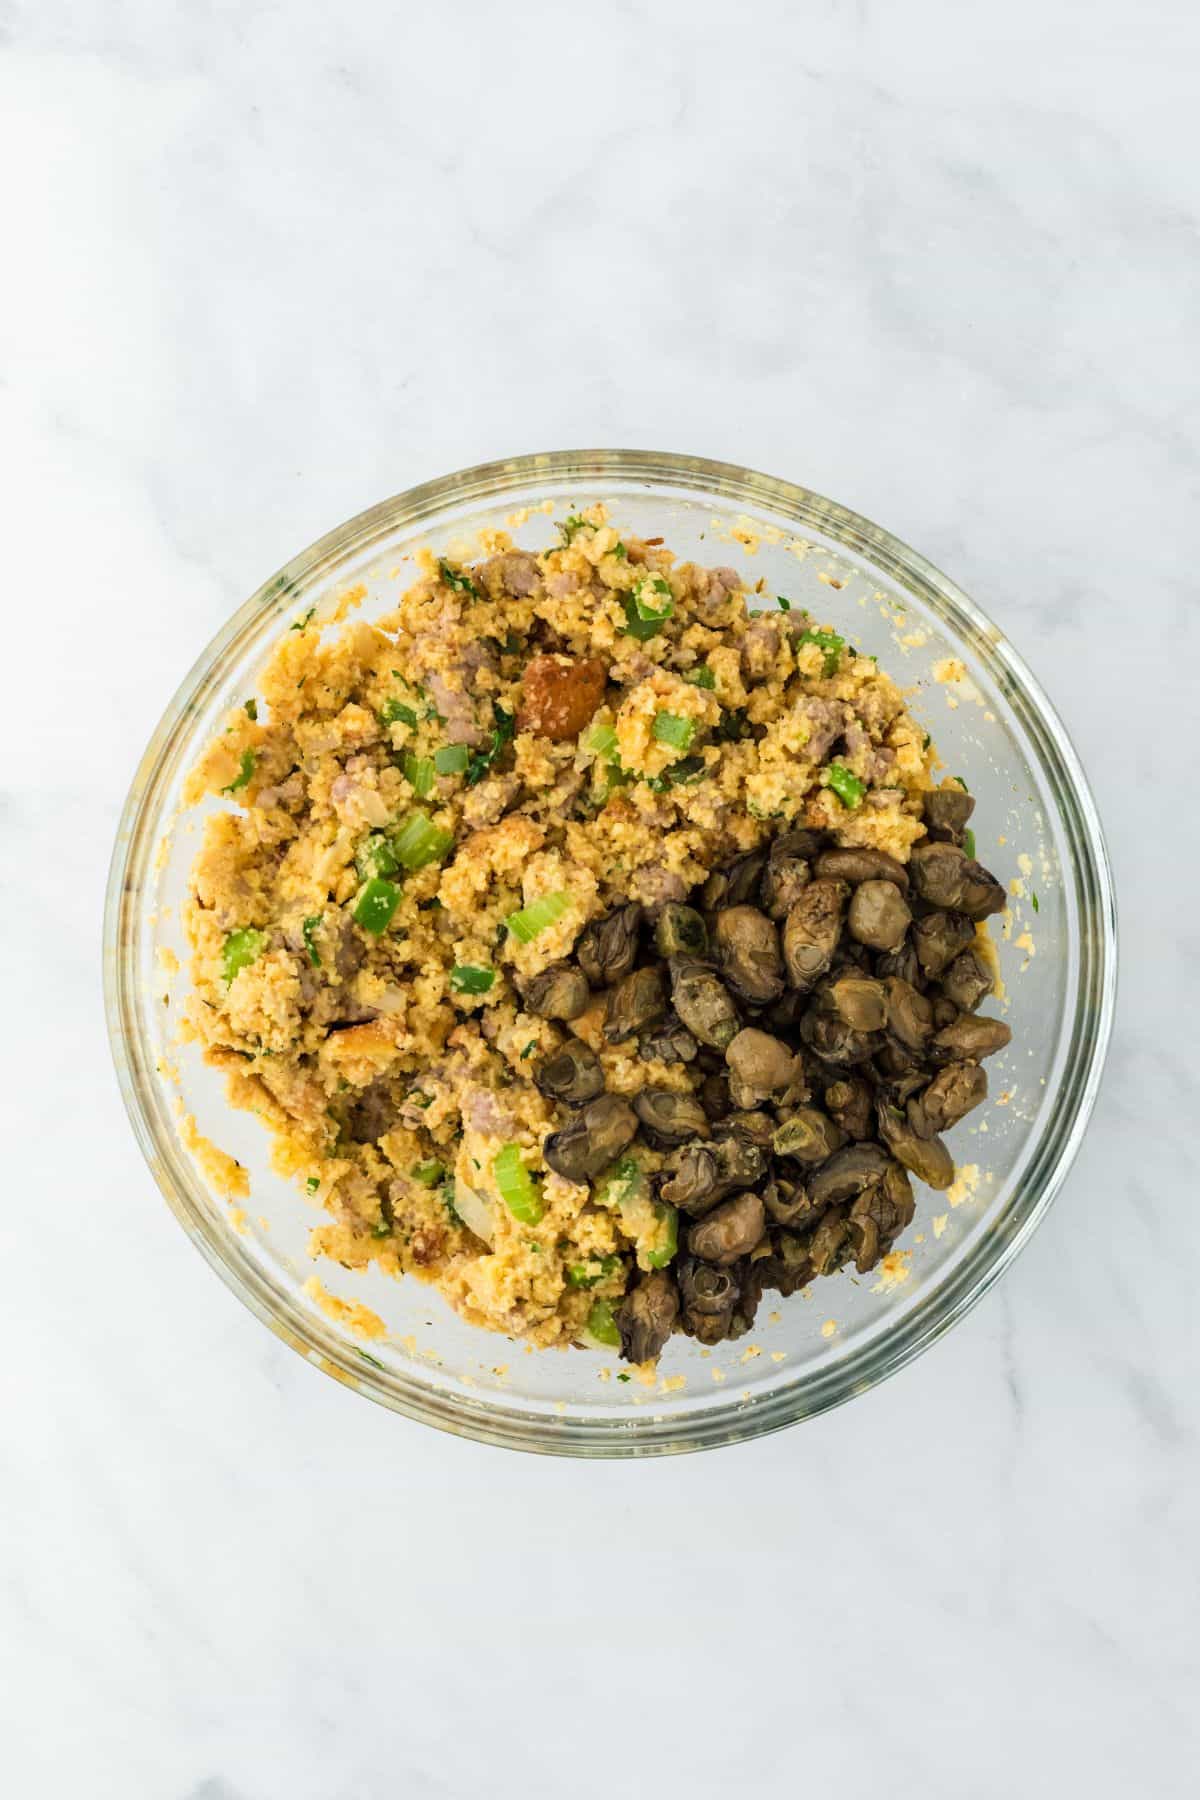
808	1353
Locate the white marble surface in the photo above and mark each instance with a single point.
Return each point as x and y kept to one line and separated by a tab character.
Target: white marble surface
267	263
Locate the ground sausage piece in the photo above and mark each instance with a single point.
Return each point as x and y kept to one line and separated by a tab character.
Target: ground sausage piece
559	694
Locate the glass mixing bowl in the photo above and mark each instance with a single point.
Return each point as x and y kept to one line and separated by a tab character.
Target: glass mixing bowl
1036	826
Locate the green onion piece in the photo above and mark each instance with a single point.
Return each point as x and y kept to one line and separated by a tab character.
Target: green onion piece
451	759
670	729
428	1173
601	739
969	841
454	578
375	856
526	924
516	1186
420	841
308	931
827	641
251	709
601	1327
783	604
701	677
313	1183
240	949
376	904
848	788
419	773
468	978
302	624
587	1274
1037	905
570	527
395	712
529	1049
620	552
927	741
242	779
668	1219
962	784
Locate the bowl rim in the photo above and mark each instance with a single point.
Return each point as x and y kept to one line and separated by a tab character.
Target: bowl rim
726	1419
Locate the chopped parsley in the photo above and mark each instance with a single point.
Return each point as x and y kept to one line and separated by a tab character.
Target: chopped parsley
570	527
303	624
245	774
251	709
529	1049
501	734
308	931
783	604
395	712
829	643
701	677
454	578
313	1183
1037	905
732	726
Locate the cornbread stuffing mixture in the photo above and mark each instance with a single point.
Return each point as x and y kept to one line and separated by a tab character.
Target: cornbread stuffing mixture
594	948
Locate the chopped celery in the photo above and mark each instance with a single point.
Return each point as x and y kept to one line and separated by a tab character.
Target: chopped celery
848	788
375	856
451	759
668	1220
601	1328
516	1186
420	841
376	904
419	773
587	1274
669	728
533	919
240	949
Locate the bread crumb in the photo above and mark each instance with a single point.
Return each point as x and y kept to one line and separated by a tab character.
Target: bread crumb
718	1374
671	1384
894	1271
779	1356
225	1173
828	1328
964	1184
356	1317
940	1222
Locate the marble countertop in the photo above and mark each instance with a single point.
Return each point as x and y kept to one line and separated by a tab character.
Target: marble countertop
270	263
